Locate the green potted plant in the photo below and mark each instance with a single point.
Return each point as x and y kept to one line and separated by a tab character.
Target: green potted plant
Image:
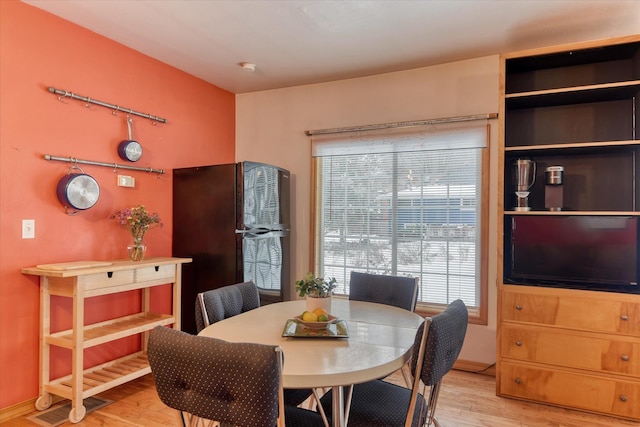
317	290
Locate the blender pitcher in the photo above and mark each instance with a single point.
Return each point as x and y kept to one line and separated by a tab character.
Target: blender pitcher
524	178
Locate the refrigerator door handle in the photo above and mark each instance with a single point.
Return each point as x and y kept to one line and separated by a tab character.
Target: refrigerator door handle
262	229
257	230
262	234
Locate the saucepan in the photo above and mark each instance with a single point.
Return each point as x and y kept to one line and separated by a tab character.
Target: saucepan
130	149
77	191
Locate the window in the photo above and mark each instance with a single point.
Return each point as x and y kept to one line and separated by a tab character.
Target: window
408	203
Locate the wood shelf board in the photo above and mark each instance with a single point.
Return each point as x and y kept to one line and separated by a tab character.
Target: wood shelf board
573	145
633	85
535	54
114	266
101	378
110	330
572	213
74	265
548	99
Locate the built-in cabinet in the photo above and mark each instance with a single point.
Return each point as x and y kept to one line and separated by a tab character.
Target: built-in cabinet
578	107
87	279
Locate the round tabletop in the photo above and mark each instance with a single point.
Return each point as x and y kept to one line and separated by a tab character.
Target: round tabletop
379	342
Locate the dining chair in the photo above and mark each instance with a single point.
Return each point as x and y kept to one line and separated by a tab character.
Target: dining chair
218	304
208	380
436	347
399	291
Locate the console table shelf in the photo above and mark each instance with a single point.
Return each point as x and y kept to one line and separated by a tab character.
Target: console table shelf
111	330
103	377
80	281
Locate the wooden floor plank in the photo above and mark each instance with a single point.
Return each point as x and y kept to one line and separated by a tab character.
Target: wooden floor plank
466	400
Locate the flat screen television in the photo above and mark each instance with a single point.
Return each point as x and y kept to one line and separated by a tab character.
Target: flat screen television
583	252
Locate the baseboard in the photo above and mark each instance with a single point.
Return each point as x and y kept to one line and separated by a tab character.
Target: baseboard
475	367
23	408
17	410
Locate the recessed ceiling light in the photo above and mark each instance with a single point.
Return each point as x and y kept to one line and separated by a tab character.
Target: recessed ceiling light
249	66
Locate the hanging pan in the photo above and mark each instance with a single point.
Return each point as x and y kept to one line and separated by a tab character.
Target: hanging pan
130	149
77	191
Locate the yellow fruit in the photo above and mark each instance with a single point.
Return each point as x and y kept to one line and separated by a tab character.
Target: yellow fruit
309	316
318	311
323	318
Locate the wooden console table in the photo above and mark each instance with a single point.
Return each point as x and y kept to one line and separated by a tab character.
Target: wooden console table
86	279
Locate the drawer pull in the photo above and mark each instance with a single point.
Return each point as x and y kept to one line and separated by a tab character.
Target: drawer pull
109	274
518	307
623	398
624	317
519	343
157	268
518	381
625	358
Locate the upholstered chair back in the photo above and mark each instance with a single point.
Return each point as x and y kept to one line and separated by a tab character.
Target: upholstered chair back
445	337
218	304
234	383
391	290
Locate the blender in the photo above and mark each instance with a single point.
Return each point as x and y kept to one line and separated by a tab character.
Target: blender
524	178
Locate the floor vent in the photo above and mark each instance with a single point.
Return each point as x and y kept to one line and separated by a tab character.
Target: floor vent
60	413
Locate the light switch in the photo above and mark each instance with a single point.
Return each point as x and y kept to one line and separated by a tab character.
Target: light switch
28	228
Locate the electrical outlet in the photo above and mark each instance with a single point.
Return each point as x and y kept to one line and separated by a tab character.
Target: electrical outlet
28	228
126	181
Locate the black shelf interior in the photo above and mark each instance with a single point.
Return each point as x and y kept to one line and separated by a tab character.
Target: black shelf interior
583	67
595	179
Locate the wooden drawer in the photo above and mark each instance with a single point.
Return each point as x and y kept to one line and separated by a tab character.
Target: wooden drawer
105	279
589	314
588	392
158	272
620	355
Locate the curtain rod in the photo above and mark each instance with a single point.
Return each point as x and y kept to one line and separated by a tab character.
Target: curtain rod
402	124
115	166
105	104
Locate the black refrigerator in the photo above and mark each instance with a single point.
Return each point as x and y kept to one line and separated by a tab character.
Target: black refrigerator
233	220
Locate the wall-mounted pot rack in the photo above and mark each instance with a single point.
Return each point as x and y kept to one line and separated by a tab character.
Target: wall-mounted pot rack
86	99
114	166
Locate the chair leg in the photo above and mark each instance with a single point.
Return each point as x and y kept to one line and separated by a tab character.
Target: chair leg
431	405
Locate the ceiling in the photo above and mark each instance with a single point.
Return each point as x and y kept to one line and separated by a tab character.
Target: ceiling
299	42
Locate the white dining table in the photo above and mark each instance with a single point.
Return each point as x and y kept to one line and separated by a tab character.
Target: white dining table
379	341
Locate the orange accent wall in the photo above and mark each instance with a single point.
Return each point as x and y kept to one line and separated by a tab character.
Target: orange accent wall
38	50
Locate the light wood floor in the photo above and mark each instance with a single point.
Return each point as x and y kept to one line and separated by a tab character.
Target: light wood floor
466	400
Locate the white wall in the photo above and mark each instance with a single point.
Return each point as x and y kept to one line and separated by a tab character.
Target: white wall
270	128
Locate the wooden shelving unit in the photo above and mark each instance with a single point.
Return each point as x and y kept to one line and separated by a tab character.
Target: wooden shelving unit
577	106
80	283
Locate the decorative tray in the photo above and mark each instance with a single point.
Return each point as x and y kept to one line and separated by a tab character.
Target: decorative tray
336	329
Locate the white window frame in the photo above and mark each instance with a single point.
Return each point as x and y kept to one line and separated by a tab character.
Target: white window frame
449	137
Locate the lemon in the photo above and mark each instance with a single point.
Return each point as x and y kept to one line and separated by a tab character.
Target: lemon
309	316
318	311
